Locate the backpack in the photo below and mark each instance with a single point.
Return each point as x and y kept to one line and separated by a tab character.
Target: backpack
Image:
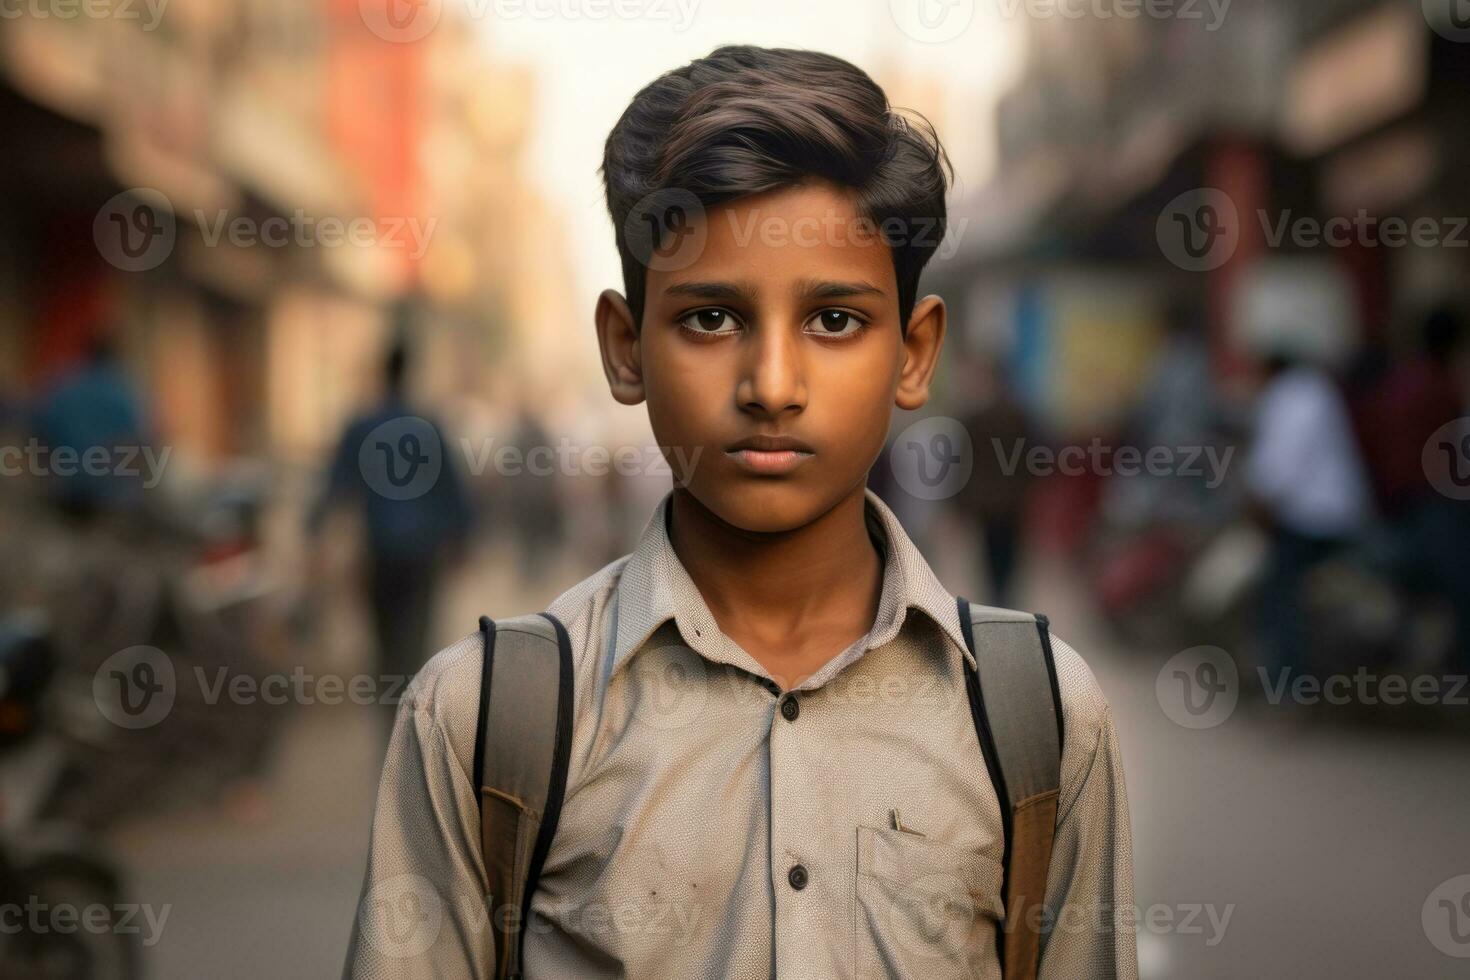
526	700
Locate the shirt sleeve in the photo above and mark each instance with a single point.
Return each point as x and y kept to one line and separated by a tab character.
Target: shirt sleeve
422	910
1091	931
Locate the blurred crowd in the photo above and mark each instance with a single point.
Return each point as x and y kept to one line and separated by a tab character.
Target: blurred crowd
1307	511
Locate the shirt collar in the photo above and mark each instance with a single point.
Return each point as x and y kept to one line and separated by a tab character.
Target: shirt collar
655	588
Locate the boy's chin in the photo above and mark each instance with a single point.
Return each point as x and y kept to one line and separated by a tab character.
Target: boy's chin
764	506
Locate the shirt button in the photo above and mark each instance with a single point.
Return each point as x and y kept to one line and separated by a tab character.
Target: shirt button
790	709
797	876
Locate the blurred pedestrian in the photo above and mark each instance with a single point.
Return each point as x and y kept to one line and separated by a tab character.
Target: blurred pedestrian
535	499
94	407
1179	409
994	497
1308	490
1430	532
393	462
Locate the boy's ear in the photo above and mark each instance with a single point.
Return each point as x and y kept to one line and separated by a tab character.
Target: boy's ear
921	352
617	337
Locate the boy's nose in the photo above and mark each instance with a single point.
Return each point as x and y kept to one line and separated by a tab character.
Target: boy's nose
773	379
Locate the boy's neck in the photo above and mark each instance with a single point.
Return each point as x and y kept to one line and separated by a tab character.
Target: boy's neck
793	600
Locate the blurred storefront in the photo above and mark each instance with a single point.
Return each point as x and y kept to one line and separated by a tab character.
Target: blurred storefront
102	105
1347	109
224	121
1341	114
1059	269
1375	106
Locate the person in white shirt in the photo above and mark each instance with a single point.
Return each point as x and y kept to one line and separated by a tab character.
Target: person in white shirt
1309	489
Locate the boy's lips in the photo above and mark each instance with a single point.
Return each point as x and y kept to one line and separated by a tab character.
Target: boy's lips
769	455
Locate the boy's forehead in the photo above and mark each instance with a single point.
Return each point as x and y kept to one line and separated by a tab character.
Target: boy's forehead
803	233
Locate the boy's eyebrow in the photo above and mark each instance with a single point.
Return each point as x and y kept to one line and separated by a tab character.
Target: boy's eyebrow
714	290
822	289
807	289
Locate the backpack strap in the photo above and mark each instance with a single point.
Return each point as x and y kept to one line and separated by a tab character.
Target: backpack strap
1017	709
522	747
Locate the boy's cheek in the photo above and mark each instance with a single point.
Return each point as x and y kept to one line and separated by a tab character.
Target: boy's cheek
684	447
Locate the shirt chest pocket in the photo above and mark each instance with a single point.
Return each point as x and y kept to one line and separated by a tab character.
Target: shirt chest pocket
924	909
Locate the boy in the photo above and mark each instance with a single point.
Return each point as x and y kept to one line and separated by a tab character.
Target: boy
773	769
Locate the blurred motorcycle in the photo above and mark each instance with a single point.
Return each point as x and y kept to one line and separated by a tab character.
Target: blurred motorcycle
189	592
62	913
1163	585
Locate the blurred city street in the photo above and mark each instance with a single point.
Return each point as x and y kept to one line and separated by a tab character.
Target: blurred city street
299	377
268	887
1314	846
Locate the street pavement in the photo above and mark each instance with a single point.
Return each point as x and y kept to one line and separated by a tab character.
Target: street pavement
1320	840
1273	844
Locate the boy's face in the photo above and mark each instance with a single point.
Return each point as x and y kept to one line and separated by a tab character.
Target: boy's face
786	325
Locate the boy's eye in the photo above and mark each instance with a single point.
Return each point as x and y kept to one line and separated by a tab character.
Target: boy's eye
712	321
836	323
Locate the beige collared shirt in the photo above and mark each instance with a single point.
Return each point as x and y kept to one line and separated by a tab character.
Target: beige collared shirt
692	798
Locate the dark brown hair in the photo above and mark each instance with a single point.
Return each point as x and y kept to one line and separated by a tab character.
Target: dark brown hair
744	120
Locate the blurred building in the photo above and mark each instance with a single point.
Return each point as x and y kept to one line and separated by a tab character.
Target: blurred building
1304	109
252	139
1375	105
